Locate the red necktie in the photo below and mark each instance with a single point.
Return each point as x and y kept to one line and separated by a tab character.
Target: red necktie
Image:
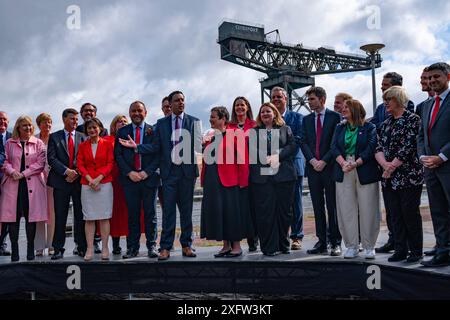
137	159
433	116
71	149
318	136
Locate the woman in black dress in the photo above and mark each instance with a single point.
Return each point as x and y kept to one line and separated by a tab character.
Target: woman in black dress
221	179
272	178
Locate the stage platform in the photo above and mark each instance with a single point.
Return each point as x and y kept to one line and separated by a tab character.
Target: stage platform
286	274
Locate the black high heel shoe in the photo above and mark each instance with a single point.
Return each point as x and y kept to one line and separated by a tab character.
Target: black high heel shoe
222	253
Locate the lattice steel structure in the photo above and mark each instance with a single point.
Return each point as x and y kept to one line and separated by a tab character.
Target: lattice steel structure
288	66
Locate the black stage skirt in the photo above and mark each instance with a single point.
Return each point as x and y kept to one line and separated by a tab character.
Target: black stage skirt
221	215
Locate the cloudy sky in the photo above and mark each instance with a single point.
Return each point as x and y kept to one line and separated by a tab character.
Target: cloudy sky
142	50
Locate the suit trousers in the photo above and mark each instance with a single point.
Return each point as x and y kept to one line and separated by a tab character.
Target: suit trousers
438	188
137	196
272	202
321	185
61	199
403	206
297	208
358	210
178	191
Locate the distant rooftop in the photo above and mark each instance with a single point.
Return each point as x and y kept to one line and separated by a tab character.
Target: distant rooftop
245	23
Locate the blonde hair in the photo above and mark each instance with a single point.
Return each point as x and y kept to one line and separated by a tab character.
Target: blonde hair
344	96
19	121
112	127
43	117
398	93
278	120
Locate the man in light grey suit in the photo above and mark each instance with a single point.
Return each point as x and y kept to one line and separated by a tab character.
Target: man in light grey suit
434	152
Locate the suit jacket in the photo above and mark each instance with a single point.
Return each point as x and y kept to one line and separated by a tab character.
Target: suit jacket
101	164
287	150
249	124
125	156
366	142
294	120
231	173
2	154
58	158
80	128
381	115
162	145
439	140
308	138
419	107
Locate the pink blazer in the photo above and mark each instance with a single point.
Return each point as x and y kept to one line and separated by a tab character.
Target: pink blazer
35	160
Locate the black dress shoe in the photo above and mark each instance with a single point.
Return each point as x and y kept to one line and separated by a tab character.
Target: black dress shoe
82	253
388	247
285	251
397	257
431	252
97	248
152	253
131	253
4	252
117	251
57	255
317	250
270	254
31	256
14	258
222	253
439	260
413	258
75	251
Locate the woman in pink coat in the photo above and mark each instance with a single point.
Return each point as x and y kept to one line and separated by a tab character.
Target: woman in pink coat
24	193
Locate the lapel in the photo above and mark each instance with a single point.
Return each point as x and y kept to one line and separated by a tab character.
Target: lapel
62	137
78	140
442	108
361	130
313	127
426	115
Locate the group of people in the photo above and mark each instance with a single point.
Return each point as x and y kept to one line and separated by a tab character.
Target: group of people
252	176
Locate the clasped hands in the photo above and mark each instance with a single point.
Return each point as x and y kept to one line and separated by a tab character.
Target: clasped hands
431	162
348	166
17	175
318	165
273	161
137	176
94	184
71	175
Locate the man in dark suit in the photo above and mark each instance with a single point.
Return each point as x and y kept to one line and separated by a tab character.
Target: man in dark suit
389	79
140	180
65	180
177	138
294	121
87	112
316	137
425	83
4	136
433	145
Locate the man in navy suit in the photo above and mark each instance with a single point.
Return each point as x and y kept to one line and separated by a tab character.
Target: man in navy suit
4	136
316	137
179	171
140	180
294	121
433	145
425	83
65	180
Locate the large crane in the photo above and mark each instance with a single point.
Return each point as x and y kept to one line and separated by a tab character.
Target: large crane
288	66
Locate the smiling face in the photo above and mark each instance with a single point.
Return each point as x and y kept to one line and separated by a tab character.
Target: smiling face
45	126
70	122
93	130
392	105
88	112
215	122
241	108
425	81
25	130
346	113
438	81
267	115
339	104
122	122
4	121
278	98
138	112
166	108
